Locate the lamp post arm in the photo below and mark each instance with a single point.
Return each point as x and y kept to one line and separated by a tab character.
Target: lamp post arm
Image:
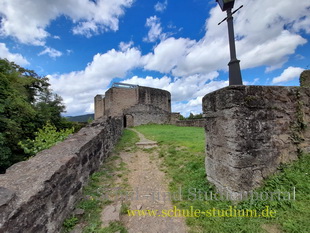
231	14
237	10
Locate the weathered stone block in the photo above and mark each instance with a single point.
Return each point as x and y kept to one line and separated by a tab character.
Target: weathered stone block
250	130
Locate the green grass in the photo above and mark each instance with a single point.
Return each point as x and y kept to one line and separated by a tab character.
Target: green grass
112	228
127	141
95	197
182	151
190	137
69	223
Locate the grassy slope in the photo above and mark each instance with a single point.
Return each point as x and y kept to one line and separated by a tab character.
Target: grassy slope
186	168
190	137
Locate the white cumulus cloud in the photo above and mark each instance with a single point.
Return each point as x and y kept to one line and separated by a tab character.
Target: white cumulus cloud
53	53
194	105
125	46
27	20
161	83
167	54
155	31
188	87
267	33
78	88
15	57
161	6
186	92
265	37
288	74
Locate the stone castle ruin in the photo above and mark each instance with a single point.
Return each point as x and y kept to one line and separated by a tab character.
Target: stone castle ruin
136	104
250	131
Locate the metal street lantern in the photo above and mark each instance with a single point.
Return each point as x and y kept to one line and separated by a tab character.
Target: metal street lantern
226	4
234	66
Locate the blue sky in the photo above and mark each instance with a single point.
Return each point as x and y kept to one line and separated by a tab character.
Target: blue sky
83	46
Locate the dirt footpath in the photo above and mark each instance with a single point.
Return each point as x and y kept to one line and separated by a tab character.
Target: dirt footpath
149	187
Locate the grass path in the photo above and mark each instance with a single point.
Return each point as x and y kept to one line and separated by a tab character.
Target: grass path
178	161
149	186
183	156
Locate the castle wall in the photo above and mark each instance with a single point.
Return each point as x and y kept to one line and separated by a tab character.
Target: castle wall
174	117
156	97
147	114
118	99
38	194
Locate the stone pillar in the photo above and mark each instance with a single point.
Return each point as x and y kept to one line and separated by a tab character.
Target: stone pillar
250	131
174	117
305	78
99	106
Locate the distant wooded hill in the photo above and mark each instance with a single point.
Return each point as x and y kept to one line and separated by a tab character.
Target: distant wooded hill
81	118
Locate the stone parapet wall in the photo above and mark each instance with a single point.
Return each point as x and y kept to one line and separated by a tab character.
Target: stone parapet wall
37	195
305	78
191	123
147	114
118	99
251	130
174	117
99	106
156	97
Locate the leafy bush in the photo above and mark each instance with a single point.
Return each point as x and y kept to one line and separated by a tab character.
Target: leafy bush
44	139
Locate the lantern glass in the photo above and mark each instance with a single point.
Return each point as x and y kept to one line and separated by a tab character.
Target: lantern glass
226	4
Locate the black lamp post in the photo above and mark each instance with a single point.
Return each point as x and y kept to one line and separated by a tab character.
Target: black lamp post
234	66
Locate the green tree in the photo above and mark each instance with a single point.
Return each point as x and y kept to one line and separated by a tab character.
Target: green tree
182	118
49	108
26	104
191	116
